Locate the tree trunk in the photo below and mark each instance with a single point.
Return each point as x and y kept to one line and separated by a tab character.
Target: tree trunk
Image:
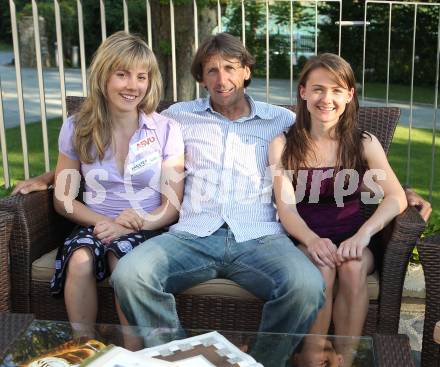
184	33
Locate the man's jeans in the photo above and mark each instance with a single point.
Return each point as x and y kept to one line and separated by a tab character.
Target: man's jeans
270	267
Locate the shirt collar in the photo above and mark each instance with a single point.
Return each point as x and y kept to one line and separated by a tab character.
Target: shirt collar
146	121
258	110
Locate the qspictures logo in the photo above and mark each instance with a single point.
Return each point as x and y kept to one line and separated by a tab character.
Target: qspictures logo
207	186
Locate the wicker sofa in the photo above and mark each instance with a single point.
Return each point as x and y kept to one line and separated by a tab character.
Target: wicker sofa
429	250
218	304
5	233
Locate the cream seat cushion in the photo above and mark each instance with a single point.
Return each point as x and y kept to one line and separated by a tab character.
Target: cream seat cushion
43	268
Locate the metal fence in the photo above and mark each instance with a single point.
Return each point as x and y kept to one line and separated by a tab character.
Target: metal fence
308	41
415	6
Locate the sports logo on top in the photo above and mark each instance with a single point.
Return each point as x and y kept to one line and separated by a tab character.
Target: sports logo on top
144	144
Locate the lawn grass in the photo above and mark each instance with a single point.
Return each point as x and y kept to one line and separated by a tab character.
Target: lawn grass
35	149
420	162
420	166
400	93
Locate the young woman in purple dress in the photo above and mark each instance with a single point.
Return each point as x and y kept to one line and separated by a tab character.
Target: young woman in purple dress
328	158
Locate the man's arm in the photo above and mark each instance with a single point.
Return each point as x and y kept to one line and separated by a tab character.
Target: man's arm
38	183
423	206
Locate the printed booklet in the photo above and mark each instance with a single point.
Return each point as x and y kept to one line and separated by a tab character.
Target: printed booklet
71	353
206	350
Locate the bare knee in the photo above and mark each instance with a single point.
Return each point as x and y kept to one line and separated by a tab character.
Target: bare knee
80	263
352	275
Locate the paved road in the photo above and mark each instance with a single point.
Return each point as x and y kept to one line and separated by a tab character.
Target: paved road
279	94
31	91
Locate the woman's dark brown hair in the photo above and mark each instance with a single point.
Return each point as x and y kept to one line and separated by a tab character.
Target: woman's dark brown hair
299	144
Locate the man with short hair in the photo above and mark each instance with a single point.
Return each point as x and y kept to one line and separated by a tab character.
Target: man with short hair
228	226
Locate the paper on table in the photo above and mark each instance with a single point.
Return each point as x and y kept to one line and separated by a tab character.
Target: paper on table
113	356
213	346
197	361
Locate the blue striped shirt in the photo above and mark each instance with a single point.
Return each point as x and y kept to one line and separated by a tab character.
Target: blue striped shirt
226	166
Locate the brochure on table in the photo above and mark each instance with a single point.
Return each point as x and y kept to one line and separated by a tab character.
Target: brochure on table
68	354
206	350
114	356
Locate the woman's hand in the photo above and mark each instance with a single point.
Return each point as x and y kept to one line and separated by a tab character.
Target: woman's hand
323	252
129	218
353	247
108	231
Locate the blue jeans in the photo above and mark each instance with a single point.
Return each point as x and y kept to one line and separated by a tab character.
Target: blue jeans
270	267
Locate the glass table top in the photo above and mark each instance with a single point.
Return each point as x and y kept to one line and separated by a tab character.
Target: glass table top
268	349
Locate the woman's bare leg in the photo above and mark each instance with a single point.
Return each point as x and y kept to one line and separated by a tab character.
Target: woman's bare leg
80	294
314	344
323	319
322	322
351	303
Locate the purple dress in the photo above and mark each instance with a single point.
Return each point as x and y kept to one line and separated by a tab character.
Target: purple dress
320	209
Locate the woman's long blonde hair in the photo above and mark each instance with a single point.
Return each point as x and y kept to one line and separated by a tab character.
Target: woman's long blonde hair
93	123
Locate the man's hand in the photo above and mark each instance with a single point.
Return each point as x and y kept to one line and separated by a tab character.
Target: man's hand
38	183
108	231
423	206
323	252
129	218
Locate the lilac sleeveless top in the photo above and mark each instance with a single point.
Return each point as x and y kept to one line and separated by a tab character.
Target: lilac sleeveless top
320	209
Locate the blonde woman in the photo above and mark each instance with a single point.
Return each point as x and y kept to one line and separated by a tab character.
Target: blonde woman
128	156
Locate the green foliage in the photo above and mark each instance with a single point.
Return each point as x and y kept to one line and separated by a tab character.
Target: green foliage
92	26
165	47
433	225
279	65
5	19
5	23
68	24
255	28
200	3
432	228
377	41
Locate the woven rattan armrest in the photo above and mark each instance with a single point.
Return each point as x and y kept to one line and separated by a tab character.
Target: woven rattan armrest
5	232
429	250
398	240
36	230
